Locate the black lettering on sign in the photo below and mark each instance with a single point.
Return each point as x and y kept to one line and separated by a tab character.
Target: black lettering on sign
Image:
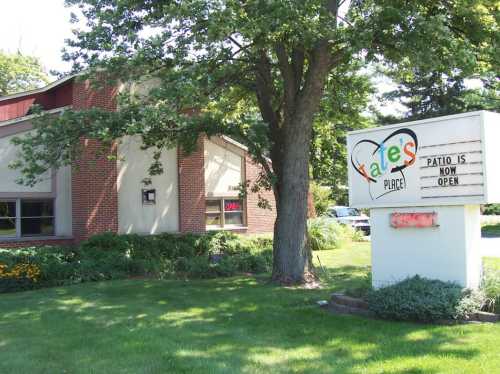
394	184
461	159
448	181
439	161
447	170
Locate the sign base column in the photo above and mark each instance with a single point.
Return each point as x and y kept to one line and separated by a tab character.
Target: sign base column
449	251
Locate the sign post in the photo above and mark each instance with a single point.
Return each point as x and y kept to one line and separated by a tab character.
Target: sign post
423	182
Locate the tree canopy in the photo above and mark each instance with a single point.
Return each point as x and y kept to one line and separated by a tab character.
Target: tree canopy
19	72
430	94
263	71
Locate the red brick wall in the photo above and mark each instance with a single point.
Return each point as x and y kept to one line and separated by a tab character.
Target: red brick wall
258	220
192	189
94	179
192	196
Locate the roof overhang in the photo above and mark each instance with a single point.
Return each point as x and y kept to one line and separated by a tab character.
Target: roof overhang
39	90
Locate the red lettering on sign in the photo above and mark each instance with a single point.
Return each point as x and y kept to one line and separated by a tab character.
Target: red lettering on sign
232	205
415	220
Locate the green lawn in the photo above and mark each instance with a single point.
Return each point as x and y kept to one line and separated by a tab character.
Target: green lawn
492	263
236	325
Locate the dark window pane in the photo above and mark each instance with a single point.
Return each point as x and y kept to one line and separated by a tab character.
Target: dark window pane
233	218
7	227
7	208
213	205
37	226
232	205
37	208
213	219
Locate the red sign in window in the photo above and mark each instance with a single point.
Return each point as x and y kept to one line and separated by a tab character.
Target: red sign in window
415	220
232	205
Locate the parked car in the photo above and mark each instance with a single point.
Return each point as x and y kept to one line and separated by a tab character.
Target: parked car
351	217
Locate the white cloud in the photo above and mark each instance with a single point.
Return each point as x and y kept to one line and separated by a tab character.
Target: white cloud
36	28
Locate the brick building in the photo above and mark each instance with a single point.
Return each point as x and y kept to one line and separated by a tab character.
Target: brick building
197	192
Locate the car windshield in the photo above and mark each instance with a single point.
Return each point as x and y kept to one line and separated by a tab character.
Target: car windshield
345	212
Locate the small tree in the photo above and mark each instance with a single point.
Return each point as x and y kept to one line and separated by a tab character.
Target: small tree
20	72
254	69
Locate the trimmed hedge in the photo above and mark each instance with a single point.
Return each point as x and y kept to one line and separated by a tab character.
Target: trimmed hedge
112	256
424	300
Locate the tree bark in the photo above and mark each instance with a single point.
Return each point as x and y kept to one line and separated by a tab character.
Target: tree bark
291	252
291	262
290	134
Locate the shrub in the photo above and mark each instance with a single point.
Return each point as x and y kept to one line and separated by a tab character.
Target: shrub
491	288
491	209
225	266
200	267
107	241
425	300
254	263
104	265
355	235
325	233
112	256
261	243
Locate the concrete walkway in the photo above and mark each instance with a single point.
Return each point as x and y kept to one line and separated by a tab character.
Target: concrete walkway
490	247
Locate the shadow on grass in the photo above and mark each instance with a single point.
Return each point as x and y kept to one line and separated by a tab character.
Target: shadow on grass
352	280
231	325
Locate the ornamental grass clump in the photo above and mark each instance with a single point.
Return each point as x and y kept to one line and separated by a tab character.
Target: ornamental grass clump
491	287
325	233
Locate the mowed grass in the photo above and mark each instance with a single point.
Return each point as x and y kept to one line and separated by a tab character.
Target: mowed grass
492	263
236	325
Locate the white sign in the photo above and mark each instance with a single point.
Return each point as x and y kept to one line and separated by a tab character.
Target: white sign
452	160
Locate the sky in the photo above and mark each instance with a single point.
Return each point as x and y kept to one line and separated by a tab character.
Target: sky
36	27
39	28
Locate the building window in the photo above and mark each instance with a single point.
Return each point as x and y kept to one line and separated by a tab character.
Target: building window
27	217
224	213
8	218
37	217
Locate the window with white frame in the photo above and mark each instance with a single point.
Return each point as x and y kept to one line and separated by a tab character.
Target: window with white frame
224	213
26	217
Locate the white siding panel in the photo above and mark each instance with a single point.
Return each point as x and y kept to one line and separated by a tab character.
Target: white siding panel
223	170
133	216
9	153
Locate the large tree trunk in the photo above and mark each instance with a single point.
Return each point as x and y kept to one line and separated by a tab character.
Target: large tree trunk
290	136
291	250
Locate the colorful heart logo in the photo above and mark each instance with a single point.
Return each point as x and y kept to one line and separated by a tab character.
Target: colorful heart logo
385	161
